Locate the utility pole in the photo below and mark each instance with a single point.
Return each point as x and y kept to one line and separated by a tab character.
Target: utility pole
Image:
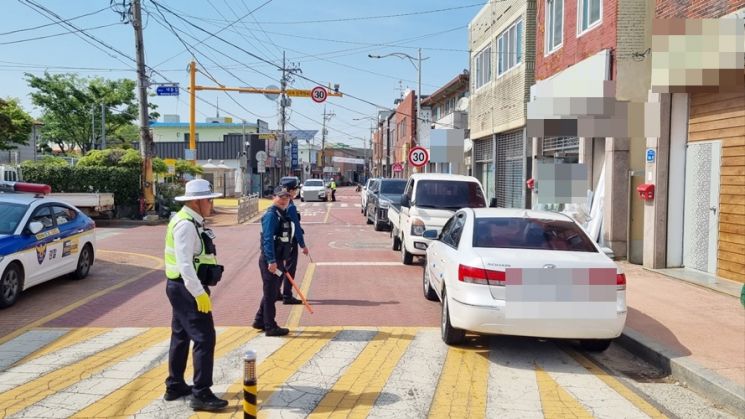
146	142
326	117
103	126
283	110
93	127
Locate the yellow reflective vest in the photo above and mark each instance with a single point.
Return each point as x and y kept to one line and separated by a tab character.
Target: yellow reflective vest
172	271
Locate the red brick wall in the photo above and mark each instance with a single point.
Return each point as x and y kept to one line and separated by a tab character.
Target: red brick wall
405	112
573	49
696	9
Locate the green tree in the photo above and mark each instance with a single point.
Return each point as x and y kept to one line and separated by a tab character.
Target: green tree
112	157
46	161
15	124
69	103
159	166
186	167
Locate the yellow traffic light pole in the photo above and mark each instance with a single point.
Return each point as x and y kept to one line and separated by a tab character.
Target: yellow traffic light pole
193	88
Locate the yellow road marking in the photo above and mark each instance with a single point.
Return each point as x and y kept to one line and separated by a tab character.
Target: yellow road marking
277	369
83	301
555	401
616	385
140	392
461	391
355	392
157	259
70	338
293	319
23	396
328	212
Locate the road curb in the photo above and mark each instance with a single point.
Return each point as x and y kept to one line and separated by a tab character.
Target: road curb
718	389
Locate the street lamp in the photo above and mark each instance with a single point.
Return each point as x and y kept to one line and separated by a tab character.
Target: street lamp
418	66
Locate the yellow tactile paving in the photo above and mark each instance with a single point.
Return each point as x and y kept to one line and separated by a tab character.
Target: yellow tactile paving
274	371
140	392
355	392
70	338
616	385
555	401
23	396
461	391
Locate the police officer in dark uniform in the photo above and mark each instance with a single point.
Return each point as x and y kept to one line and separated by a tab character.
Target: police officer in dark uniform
298	241
191	268
276	242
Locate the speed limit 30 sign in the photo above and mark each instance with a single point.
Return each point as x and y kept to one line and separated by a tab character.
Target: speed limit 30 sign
319	94
418	156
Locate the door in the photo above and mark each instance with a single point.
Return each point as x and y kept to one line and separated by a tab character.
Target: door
42	262
701	214
68	222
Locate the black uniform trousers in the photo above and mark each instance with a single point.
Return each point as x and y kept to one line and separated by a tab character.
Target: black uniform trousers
188	324
291	266
267	311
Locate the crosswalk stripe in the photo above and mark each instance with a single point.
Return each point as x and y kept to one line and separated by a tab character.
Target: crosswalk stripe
273	373
36	368
21	397
556	402
303	390
344	205
516	397
355	392
72	337
17	350
461	391
617	386
410	387
130	398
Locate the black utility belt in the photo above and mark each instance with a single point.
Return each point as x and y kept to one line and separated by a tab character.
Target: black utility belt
209	275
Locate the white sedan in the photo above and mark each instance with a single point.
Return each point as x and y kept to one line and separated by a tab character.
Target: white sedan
525	273
41	239
314	190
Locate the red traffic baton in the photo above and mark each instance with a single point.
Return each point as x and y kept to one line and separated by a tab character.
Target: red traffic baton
300	293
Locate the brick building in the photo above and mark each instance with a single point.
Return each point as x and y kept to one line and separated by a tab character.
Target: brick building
403	133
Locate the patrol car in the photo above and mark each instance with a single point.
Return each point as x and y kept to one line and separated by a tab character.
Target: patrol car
41	239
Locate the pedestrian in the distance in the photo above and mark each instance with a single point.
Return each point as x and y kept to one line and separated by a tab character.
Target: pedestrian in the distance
276	240
332	185
191	268
298	241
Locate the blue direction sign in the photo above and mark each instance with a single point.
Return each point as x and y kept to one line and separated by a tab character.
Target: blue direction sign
167	91
294	155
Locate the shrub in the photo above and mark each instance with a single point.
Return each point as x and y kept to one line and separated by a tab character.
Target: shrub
123	182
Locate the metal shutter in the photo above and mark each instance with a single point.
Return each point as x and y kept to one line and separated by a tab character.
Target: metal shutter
483	150
510	169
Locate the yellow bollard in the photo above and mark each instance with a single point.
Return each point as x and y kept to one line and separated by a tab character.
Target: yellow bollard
249	385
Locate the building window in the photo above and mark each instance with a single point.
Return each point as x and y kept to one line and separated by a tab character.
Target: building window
554	24
482	66
589	14
510	46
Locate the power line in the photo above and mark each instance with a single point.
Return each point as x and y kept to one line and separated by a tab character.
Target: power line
69	32
53	23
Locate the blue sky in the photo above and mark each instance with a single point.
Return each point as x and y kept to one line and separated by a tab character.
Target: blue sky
332	51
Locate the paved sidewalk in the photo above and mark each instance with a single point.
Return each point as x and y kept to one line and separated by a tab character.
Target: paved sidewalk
695	333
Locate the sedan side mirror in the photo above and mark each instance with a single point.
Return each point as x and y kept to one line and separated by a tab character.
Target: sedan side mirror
404	200
493	203
430	234
35	227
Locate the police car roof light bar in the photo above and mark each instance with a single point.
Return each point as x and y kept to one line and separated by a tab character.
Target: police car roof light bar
36	188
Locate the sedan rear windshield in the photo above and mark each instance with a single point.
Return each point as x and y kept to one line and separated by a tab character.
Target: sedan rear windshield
313	183
392	187
10	216
449	194
531	233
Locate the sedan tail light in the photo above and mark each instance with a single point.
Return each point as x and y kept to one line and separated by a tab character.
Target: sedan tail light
473	275
620	281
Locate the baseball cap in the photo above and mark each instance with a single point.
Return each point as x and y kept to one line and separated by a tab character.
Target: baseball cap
281	192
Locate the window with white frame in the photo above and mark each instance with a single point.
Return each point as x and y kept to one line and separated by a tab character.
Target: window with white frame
510	47
554	24
482	67
588	14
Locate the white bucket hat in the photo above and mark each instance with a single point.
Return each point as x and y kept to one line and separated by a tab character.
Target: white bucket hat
198	189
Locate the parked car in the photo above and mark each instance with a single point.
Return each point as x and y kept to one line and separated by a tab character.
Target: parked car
41	238
428	201
314	190
295	178
385	193
526	273
364	193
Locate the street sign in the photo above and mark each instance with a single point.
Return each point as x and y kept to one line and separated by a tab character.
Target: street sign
397	167
261	155
418	156
261	166
319	94
294	155
167	90
267	136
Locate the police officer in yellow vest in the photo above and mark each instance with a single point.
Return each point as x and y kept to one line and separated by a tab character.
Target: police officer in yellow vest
191	268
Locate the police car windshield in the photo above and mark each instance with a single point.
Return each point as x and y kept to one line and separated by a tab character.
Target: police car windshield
11	215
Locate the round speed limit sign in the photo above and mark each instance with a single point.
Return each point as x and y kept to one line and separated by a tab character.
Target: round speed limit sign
418	156
318	94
